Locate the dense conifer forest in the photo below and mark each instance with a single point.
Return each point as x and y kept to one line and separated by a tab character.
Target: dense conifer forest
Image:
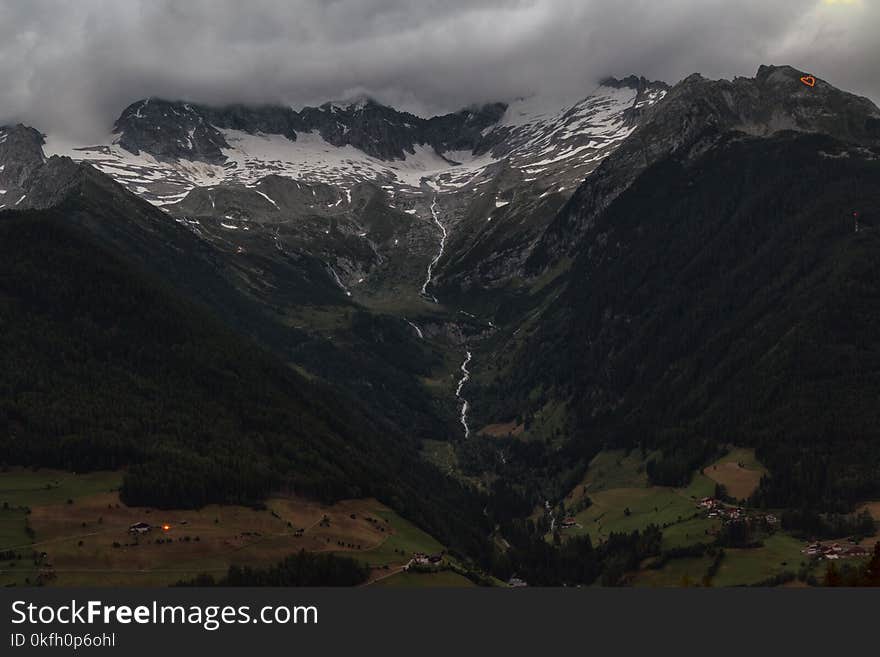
104	367
727	299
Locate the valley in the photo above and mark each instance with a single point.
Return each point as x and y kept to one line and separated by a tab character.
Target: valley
619	338
65	529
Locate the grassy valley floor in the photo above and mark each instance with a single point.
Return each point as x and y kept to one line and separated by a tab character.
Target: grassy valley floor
66	529
615	496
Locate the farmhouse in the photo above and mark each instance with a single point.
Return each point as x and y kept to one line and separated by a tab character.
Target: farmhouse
139	528
422	559
834	551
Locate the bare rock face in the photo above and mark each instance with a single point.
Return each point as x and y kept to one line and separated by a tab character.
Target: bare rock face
29	180
786	102
693	116
21	153
174	129
169	130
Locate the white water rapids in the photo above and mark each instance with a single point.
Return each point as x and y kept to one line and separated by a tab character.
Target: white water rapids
465	373
465	376
439	255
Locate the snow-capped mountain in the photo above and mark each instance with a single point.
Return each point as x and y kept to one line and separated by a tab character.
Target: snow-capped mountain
564	145
505	236
162	150
373	192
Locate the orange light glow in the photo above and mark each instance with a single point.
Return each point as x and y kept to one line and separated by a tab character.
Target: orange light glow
165	528
809	80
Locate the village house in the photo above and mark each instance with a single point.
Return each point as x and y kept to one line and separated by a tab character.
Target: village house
420	559
834	551
708	503
139	528
717	509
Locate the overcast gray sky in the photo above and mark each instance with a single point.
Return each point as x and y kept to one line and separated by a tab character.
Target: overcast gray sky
71	66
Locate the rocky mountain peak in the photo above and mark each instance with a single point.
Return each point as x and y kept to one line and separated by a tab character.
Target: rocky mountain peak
169	129
21	153
636	82
28	179
776	99
778	75
696	113
180	130
353	103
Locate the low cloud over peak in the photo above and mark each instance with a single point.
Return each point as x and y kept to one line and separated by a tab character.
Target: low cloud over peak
70	67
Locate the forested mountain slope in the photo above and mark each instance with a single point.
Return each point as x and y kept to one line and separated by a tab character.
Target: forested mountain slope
728	298
104	365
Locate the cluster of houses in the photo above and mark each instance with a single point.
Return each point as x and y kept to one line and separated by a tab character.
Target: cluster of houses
422	559
717	509
834	551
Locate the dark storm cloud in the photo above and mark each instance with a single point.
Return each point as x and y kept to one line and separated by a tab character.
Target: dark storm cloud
70	67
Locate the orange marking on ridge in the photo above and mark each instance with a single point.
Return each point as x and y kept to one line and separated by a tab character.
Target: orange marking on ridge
809	80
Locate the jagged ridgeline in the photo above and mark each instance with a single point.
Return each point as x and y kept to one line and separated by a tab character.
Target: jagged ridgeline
184	130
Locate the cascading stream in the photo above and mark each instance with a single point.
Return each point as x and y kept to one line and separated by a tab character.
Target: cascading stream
439	255
466	375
